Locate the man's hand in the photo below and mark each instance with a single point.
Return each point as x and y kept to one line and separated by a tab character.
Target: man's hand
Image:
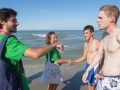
84	78
70	62
98	77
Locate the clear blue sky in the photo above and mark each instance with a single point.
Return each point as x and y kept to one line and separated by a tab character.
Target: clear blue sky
56	14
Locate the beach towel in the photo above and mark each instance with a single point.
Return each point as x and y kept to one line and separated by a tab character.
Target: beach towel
51	73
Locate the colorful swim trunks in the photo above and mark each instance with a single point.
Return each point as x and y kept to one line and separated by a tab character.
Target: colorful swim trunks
108	83
92	74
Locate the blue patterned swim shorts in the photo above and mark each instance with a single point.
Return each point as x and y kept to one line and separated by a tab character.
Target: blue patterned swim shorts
108	83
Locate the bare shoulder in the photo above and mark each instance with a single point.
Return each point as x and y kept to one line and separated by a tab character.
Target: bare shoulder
85	44
118	33
118	36
97	42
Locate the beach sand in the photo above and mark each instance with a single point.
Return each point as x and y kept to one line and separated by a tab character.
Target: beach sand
72	77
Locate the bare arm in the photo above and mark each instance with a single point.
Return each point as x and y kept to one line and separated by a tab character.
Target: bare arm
61	61
100	70
101	64
39	52
102	60
84	55
118	36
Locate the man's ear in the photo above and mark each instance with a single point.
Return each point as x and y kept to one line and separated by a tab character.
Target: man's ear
1	22
92	33
112	19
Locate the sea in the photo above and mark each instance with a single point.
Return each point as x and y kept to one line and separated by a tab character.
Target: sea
74	39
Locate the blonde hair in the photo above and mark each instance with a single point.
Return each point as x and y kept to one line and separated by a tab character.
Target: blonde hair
48	37
111	10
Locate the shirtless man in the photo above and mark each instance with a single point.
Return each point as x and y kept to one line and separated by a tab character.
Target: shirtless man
110	46
90	50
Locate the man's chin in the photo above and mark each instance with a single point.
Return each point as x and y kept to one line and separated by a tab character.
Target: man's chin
101	28
87	39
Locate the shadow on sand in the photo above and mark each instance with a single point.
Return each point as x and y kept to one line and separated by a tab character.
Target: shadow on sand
35	76
75	82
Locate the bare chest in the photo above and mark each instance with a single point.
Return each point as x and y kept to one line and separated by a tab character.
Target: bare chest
110	44
91	48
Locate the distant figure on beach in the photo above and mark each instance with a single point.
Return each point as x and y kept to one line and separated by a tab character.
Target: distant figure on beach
90	50
14	49
110	46
55	56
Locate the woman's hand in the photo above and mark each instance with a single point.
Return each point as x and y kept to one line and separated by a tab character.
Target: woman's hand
61	47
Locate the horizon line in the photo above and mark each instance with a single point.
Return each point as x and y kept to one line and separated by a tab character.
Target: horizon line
45	30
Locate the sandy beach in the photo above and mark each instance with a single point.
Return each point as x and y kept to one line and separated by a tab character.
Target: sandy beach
71	77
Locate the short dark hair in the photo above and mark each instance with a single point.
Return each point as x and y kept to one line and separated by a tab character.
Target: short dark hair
5	13
90	27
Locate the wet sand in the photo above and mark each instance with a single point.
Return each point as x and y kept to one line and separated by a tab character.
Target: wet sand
72	77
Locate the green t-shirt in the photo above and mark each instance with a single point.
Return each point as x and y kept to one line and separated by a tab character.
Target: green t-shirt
12	53
54	55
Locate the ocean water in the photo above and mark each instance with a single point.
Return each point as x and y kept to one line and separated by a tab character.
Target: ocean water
74	39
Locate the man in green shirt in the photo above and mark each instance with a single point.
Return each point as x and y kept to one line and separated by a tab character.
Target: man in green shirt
14	49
